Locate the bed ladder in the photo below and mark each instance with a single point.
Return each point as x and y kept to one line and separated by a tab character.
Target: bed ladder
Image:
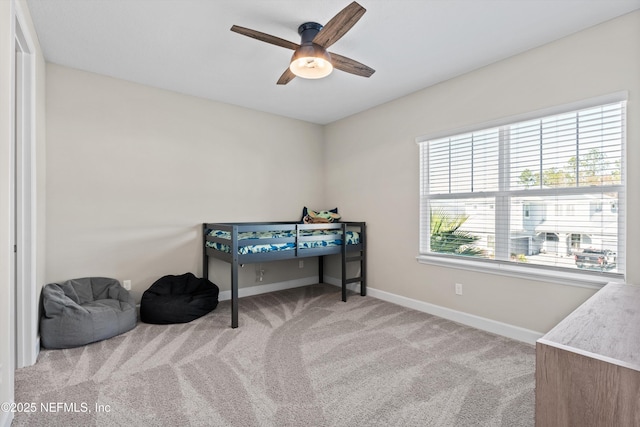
359	255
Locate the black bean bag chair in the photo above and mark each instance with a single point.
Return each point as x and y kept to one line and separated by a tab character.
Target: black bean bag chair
178	299
81	311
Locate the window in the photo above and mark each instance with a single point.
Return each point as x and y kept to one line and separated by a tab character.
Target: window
527	194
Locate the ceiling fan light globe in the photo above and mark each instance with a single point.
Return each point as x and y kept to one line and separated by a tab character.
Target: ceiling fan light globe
311	61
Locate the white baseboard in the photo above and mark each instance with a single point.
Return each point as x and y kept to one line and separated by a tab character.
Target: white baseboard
271	287
499	328
355	287
36	351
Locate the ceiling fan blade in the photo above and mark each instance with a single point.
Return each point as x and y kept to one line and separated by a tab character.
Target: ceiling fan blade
350	66
339	25
264	37
286	77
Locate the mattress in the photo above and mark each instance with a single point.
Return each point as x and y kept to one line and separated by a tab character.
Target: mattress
352	237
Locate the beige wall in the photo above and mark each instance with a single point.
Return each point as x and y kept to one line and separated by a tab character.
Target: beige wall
7	18
133	171
383	188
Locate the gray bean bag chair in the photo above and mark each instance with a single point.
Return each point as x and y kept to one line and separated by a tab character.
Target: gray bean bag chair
82	311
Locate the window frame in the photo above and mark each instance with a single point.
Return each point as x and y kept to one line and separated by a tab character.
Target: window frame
503	266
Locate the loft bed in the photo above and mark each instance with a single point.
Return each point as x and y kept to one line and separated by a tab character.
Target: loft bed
256	242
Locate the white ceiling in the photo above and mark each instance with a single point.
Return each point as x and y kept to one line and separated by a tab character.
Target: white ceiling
186	46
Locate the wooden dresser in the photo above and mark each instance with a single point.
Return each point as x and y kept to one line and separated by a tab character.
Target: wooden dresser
588	366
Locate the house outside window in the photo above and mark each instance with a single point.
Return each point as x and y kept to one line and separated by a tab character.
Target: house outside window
528	193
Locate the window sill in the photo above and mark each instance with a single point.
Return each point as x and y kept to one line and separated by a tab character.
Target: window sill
529	272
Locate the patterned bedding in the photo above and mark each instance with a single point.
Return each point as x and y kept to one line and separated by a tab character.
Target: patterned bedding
353	238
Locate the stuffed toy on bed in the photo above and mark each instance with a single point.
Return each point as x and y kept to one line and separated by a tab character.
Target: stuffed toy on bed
319	217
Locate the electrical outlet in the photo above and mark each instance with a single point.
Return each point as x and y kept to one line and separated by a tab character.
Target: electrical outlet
458	288
126	284
259	273
301	263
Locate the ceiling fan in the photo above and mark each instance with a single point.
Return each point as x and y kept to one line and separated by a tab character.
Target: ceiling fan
311	59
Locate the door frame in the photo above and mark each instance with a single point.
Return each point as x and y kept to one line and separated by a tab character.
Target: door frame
25	342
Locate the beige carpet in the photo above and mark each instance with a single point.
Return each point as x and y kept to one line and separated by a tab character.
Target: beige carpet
300	357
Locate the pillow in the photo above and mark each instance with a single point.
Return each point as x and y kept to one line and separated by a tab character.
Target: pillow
305	212
315	217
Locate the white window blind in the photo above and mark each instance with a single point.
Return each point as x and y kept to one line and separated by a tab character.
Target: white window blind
543	193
